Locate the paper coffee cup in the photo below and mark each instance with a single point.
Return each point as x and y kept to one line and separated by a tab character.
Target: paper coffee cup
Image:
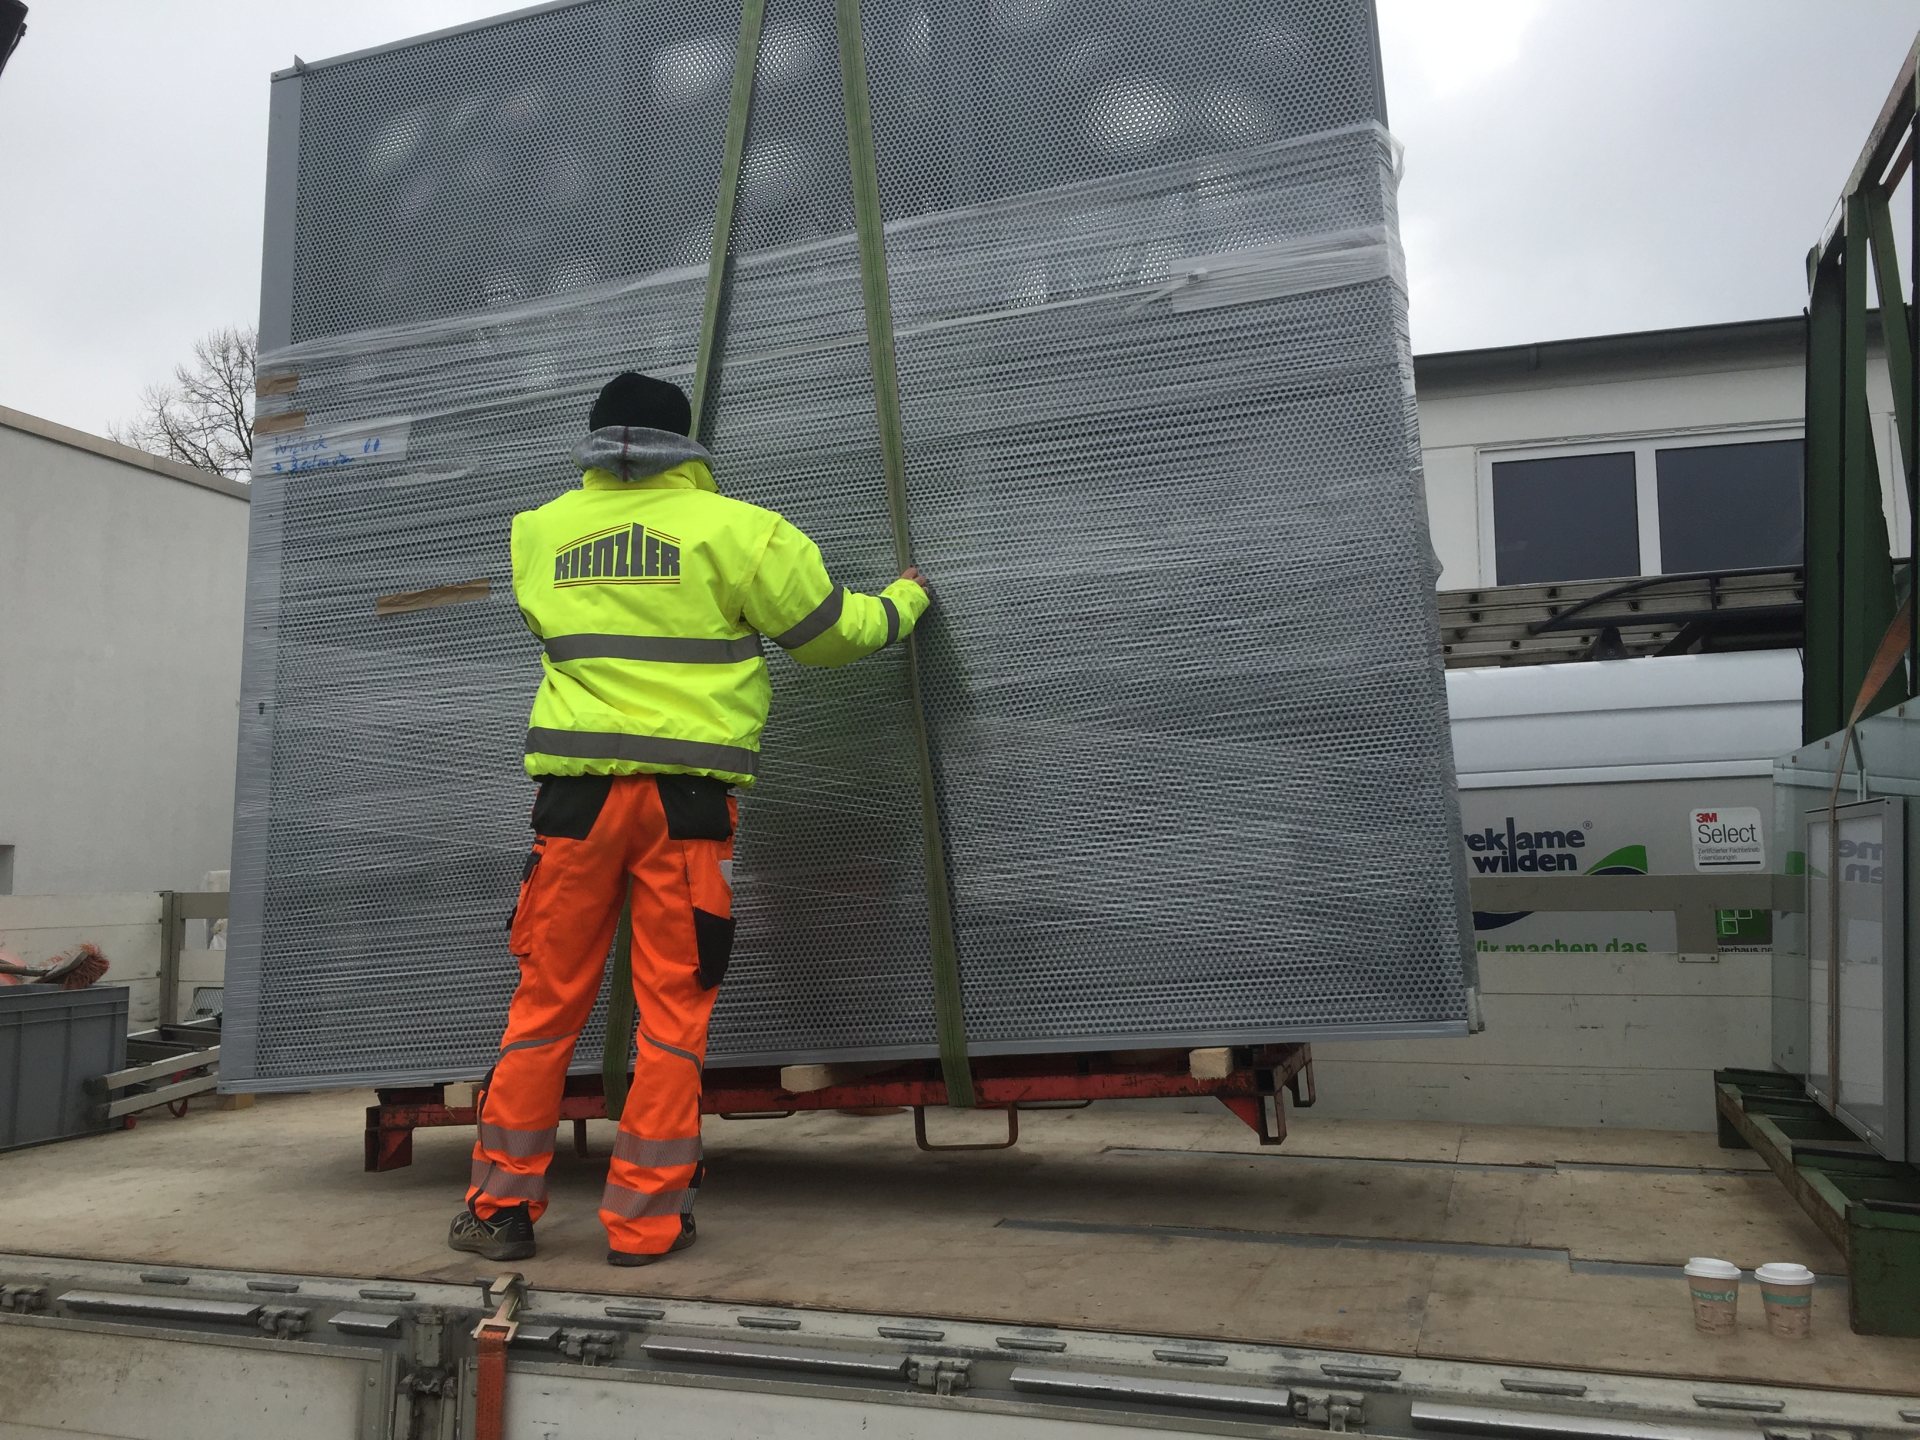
1715	1288
1787	1292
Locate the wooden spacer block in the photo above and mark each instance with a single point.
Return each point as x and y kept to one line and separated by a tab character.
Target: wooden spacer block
1214	1064
804	1079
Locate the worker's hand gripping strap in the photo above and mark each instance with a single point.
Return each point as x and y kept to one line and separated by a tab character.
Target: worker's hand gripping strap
616	1047
948	1008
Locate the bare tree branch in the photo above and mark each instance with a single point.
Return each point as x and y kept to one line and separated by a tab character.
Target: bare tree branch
204	415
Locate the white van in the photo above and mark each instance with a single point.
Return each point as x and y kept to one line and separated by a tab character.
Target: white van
1660	765
1657	766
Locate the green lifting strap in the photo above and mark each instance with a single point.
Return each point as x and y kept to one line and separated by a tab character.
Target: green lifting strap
948	1005
615	1052
706	368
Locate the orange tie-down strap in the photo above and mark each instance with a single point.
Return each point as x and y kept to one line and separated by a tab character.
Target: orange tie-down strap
1886	660
490	1390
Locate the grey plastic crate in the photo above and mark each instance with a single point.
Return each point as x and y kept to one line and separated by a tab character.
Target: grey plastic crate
52	1042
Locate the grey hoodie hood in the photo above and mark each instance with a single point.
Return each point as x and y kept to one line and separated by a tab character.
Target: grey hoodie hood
634	453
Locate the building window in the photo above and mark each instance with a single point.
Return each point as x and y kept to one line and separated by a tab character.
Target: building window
1730	507
1660	506
1566	517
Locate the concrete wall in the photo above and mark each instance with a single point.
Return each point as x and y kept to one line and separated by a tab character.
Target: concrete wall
1462	418
121	581
1587	1040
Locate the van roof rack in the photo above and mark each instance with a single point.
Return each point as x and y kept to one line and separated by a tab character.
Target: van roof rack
1703	611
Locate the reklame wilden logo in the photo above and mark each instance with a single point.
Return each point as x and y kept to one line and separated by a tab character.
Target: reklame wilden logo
1514	851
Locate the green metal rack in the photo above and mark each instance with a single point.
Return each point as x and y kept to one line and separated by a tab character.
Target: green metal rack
1868	1207
1852	581
1858	610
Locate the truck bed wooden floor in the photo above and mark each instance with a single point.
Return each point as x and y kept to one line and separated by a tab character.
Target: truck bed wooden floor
1541	1247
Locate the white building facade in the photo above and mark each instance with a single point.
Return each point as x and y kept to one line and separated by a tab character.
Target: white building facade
1664	452
121	585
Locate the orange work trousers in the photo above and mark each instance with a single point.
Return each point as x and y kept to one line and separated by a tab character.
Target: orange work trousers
671	838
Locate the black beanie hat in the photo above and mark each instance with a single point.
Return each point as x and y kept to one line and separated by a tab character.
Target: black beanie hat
643	403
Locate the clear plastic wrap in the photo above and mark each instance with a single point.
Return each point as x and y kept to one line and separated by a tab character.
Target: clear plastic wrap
1182	677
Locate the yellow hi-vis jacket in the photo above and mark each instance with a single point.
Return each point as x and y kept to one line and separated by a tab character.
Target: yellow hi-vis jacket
650	597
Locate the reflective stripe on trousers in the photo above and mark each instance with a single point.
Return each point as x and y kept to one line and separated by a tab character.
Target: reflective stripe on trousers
630	1204
520	1144
651	1154
495	1183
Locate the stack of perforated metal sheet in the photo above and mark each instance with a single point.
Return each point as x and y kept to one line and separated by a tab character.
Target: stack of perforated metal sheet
1182	685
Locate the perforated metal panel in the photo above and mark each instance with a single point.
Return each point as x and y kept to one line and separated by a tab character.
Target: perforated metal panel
531	157
1221	773
1183	680
1008	97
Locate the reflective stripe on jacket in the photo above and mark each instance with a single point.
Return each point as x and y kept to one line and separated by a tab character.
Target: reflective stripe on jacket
650	596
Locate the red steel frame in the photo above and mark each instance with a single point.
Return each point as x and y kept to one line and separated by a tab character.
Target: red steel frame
1252	1089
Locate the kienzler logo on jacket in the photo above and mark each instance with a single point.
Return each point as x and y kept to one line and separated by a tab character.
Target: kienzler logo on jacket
622	555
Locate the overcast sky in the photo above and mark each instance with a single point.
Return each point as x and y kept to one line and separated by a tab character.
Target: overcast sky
1574	167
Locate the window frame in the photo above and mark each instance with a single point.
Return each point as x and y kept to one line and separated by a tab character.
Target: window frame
1642	445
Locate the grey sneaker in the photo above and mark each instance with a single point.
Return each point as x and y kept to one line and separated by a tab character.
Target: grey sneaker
507	1236
631	1258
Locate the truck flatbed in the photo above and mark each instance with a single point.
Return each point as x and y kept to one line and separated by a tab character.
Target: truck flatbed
1531	1247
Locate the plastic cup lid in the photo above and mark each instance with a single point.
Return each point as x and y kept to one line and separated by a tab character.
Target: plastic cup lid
1782	1272
1706	1268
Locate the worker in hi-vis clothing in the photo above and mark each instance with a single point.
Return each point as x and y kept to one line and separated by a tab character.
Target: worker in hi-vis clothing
649	592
